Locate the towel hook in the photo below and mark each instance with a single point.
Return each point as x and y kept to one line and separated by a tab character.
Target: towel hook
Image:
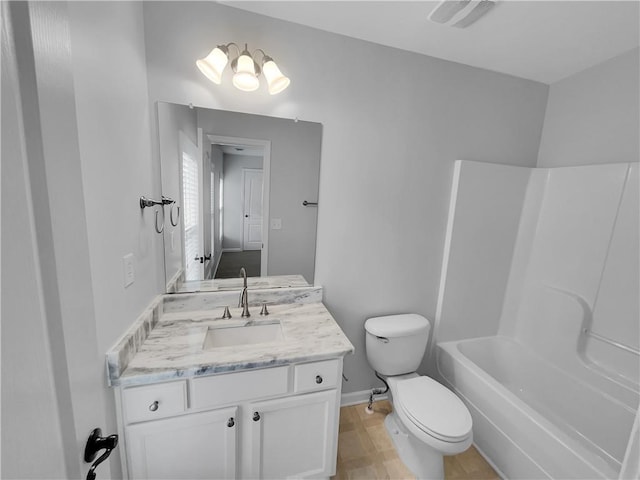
175	224
159	230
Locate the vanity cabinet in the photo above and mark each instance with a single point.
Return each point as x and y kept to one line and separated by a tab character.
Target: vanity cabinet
279	422
201	445
294	437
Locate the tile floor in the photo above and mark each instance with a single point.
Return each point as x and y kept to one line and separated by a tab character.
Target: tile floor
365	450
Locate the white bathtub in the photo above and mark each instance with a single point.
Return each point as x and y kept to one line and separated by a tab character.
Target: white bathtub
534	419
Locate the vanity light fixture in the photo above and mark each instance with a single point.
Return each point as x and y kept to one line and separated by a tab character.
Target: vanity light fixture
246	69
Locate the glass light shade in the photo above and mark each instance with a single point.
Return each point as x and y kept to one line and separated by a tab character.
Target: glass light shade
276	81
213	65
245	78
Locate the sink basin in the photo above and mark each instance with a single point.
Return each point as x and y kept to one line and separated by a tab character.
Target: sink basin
217	337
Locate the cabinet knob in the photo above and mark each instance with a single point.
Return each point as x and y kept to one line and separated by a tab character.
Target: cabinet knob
231	422
256	416
318	379
154	406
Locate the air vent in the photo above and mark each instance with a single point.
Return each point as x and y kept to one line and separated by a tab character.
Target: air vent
460	13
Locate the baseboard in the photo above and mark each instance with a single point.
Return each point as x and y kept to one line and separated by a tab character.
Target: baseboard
354	398
235	249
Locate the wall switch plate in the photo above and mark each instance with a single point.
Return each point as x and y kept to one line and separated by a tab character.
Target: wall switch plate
129	269
276	224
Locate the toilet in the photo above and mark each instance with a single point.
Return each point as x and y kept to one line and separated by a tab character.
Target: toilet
428	420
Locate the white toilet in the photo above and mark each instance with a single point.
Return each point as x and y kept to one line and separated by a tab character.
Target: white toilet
428	420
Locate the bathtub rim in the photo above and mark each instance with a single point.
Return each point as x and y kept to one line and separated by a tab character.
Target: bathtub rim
584	454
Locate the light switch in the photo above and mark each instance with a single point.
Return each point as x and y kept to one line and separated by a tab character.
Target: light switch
129	269
276	224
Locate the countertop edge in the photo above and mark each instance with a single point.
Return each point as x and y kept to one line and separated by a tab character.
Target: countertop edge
210	370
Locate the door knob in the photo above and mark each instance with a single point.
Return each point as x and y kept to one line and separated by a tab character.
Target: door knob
95	443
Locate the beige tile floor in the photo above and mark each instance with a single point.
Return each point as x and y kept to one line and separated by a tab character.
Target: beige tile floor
365	450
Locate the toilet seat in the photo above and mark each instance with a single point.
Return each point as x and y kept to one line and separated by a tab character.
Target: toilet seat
433	409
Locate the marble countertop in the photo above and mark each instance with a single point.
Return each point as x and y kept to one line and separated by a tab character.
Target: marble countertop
173	348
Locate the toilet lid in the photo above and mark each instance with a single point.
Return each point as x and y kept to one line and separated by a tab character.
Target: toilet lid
434	409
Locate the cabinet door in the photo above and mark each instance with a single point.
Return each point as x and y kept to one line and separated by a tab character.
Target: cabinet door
200	445
294	437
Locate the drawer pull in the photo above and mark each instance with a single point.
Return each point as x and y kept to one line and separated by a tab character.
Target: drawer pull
231	422
256	416
154	406
318	379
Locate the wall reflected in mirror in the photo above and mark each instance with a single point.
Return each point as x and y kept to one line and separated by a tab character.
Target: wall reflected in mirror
240	183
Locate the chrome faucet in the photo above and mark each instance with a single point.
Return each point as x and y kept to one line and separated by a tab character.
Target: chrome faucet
244	297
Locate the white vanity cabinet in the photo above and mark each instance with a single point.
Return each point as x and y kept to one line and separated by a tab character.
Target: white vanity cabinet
201	445
279	422
294	437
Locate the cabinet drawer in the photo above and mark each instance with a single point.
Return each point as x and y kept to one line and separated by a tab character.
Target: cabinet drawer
154	401
236	387
315	376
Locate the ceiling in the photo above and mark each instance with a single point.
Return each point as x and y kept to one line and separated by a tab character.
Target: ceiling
544	41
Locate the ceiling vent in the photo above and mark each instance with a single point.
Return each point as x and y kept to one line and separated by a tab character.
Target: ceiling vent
460	13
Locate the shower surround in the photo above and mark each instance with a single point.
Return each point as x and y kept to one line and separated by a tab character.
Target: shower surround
537	327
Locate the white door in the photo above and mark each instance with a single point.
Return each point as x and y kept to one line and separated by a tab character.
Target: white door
192	232
200	445
293	437
252	209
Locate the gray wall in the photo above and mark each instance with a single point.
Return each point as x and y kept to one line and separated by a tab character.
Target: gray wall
593	116
388	145
233	208
295	161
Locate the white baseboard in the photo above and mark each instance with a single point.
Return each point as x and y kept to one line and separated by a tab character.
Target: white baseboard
354	398
235	249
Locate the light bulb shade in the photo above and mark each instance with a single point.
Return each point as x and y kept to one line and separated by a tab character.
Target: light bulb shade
213	65
245	78
276	81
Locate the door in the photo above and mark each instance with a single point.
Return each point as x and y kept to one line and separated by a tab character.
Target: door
192	224
293	437
252	209
200	445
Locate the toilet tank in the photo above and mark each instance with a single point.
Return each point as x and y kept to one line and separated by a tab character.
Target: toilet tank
396	343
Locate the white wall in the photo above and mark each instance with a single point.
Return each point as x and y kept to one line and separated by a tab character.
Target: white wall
233	208
117	167
593	116
114	134
388	146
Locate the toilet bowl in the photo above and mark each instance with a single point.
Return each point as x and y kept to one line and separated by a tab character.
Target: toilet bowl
428	420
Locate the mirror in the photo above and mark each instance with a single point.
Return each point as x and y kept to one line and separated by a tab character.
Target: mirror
243	190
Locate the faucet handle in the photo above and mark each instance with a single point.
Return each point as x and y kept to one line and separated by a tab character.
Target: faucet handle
264	310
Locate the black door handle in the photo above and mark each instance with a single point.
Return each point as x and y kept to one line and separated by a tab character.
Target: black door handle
95	443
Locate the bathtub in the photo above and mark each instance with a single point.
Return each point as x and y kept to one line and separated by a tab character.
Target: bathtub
533	419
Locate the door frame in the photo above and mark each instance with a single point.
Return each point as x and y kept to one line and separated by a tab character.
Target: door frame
266	186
